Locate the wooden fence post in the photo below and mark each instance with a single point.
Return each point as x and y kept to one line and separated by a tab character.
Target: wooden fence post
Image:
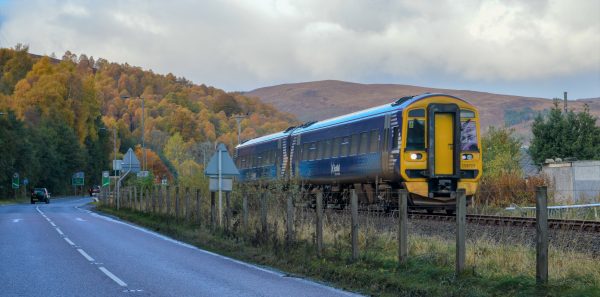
541	238
228	211
198	221
177	203
263	216
213	212
319	227
402	226
289	220
245	212
187	204
461	215
354	231
168	202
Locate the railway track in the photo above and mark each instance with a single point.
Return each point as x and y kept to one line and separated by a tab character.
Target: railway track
561	224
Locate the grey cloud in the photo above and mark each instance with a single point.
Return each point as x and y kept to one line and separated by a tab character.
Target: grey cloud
246	44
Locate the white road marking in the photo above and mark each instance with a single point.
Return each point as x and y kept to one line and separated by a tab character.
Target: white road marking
59	232
17	220
51	223
69	241
113	277
38	209
85	255
80	219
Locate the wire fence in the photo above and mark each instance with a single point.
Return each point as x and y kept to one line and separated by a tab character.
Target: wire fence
281	219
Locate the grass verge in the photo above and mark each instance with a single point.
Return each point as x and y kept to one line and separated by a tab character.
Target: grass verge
429	272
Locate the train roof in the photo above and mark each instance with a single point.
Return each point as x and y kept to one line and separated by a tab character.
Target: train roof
397	105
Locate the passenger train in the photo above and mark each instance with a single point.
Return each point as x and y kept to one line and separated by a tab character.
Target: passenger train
427	144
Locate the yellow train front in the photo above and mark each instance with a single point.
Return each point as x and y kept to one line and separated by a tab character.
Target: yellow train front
427	144
441	151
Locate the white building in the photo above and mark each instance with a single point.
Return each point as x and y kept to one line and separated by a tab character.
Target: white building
574	182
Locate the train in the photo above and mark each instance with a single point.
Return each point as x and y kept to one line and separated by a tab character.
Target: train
428	144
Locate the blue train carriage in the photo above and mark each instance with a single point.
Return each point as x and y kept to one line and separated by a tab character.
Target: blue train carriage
260	159
366	151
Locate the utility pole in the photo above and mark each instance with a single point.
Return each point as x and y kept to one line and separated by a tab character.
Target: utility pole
565	105
238	118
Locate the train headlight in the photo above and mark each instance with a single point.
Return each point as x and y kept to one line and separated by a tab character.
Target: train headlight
416	156
467	157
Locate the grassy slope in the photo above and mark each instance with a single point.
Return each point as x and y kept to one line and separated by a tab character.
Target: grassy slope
375	273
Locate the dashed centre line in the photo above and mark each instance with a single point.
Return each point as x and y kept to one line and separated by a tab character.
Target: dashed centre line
69	241
59	232
85	255
113	277
53	225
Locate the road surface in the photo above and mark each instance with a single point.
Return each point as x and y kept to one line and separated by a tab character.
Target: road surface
63	249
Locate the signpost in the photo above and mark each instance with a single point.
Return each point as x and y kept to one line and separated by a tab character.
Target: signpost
15	181
105	178
78	180
221	169
130	164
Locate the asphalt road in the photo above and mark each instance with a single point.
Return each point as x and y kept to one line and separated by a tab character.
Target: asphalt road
63	249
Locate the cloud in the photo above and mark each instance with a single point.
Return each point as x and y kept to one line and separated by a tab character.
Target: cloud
241	45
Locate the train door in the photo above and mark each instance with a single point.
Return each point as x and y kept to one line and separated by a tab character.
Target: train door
444	140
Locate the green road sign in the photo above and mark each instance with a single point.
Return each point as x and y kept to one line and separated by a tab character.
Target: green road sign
15	181
105	179
78	179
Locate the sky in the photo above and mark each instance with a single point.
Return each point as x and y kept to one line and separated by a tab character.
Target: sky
530	48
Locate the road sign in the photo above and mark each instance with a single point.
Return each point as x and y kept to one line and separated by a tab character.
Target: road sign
117	164
15	181
105	179
164	182
225	166
226	184
130	162
78	179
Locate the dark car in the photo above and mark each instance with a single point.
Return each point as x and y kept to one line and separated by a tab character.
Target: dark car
40	195
94	191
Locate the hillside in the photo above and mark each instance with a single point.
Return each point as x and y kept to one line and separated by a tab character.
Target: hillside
319	100
61	115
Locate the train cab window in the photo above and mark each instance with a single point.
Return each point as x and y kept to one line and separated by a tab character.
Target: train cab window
345	146
364	143
354	144
417	113
395	138
312	151
327	149
416	135
373	141
335	148
468	131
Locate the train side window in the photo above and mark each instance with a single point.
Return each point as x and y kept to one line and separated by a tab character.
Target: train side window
327	149
312	151
305	151
320	149
374	141
416	135
354	144
345	146
335	148
364	143
417	113
395	138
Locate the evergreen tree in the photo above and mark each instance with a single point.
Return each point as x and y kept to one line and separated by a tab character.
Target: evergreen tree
564	135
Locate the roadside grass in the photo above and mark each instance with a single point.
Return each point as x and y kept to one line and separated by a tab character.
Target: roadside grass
21	200
493	269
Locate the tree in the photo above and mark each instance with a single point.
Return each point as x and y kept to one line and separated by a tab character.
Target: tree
565	134
501	152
